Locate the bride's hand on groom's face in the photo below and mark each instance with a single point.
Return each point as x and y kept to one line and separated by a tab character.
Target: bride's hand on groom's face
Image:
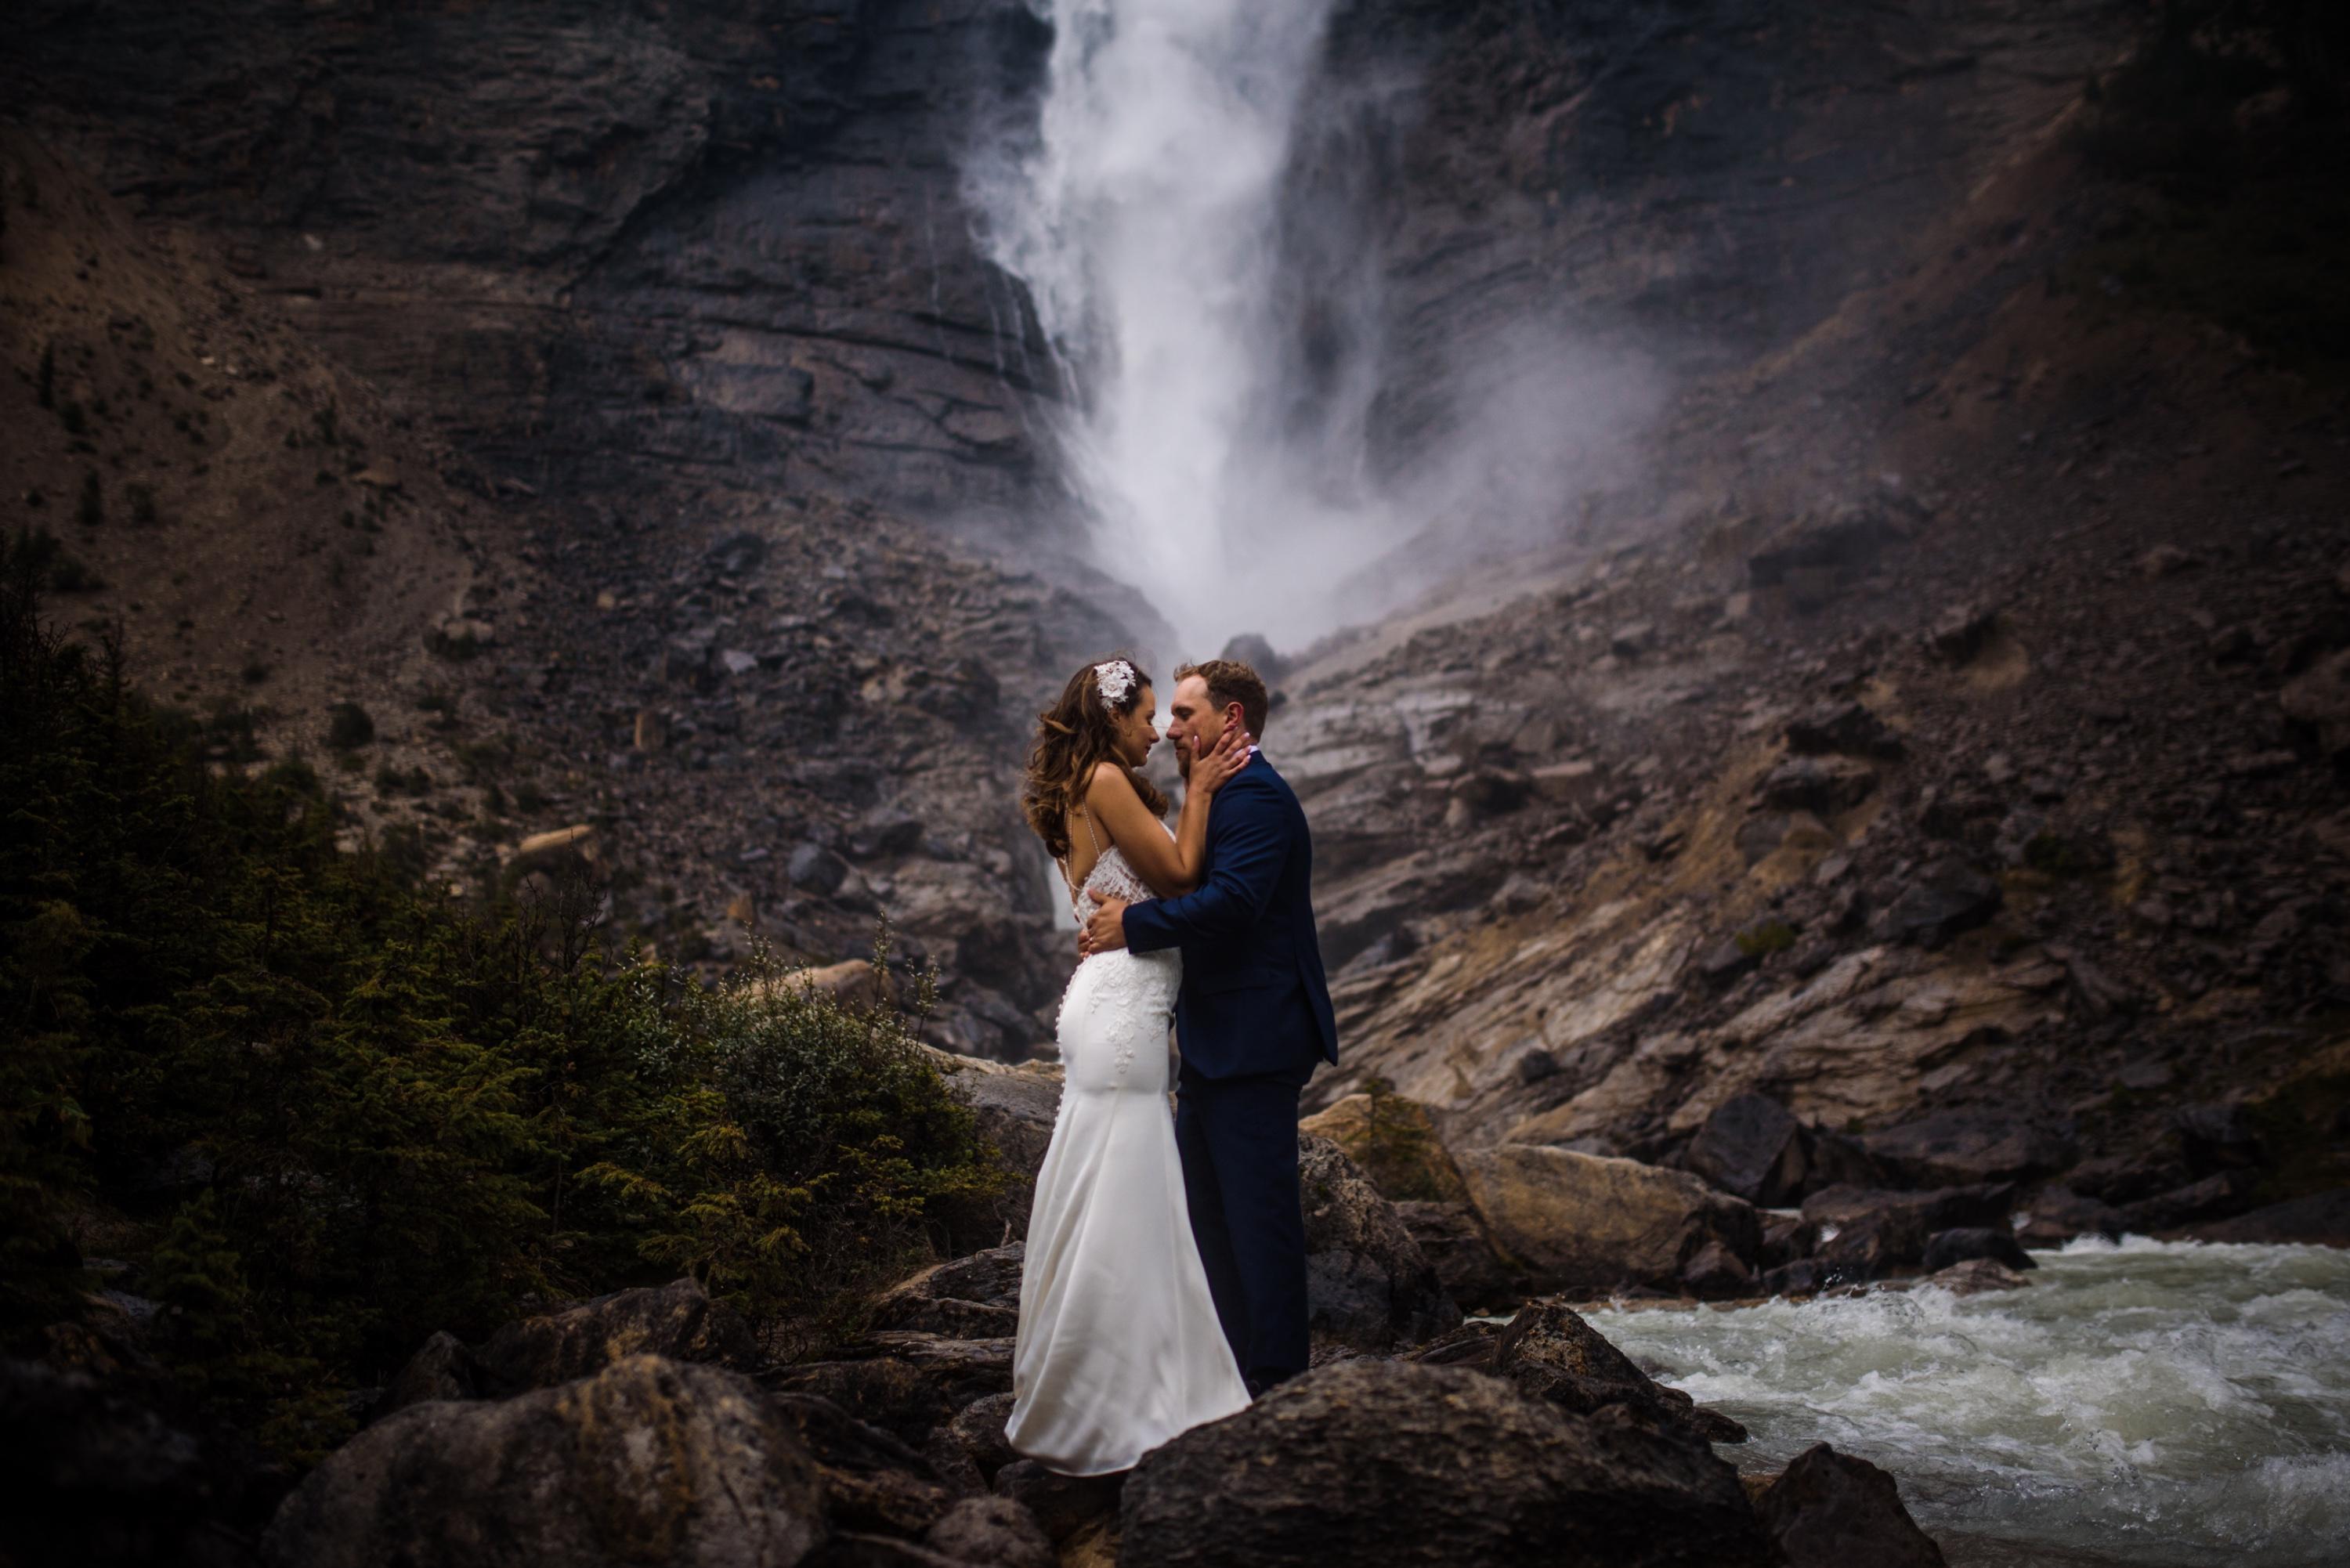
1212	767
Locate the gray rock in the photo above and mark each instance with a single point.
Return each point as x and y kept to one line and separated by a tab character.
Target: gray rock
1368	1285
997	1531
1754	1147
1828	1510
443	1369
1957	1149
1944	899
813	869
1062	1504
1548	1352
1382	1464
872	1481
678	1322
908	1384
1996	1242
973	1297
649	1461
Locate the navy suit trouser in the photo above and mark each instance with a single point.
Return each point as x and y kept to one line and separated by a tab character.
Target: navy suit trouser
1238	1140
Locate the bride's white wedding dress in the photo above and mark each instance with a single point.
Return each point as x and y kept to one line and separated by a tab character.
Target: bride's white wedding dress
1119	1345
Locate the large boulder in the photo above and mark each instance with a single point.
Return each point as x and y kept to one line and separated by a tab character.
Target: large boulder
1829	1510
1752	1147
1367	1286
1376	1463
1582	1221
1549	1352
1956	1148
1395	1142
649	1461
1015	1107
677	1321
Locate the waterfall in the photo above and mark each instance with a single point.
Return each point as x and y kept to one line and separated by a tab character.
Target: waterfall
1145	217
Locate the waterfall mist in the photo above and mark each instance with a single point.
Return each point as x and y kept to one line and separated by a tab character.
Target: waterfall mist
1196	213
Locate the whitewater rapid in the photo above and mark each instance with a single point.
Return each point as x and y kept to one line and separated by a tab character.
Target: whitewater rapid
2143	1403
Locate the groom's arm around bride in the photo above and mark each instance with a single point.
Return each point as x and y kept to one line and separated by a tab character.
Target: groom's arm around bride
1251	1021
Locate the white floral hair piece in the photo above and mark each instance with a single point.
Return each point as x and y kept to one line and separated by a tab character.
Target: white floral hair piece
1115	679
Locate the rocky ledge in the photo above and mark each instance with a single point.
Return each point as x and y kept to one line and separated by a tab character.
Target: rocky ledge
629	1430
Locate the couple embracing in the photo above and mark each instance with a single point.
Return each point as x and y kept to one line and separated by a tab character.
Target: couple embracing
1165	1274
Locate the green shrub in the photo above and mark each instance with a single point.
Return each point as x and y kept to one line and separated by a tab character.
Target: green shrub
402	1116
1766	937
91	509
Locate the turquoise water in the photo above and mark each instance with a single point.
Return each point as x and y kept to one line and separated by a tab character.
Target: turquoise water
2145	1402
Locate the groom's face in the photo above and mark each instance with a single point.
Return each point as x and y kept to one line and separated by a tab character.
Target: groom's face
1192	712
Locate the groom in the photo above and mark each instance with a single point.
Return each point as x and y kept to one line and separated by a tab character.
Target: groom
1252	1019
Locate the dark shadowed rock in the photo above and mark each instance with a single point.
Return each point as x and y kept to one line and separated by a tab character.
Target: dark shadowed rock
860	1549
996	1531
1941	901
971	1449
907	1384
1063	1505
1842	727
1831	1510
1453	1240
2321	1219
1996	1242
1548	1352
2317	704
973	1297
90	1474
649	1461
1976	1275
679	1321
2214	1198
1716	1273
1825	785
1378	1463
1953	1148
1367	1285
1752	1147
1944	1208
1015	1107
444	1370
2058	1214
872	1481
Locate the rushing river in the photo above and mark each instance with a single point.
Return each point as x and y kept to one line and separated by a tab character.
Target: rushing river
2153	1403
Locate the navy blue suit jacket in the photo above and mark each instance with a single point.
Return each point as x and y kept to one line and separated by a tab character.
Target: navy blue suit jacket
1254	998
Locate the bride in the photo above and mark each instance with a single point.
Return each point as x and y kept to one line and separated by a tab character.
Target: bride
1119	1345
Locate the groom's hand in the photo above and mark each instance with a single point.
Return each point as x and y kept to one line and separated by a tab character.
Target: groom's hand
1105	930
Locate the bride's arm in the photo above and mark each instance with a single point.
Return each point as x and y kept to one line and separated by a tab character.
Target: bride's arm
1169	865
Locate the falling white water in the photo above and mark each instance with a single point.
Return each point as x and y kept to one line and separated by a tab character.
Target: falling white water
1143	219
2145	1402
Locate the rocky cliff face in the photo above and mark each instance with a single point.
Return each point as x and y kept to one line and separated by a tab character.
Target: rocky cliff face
1932	710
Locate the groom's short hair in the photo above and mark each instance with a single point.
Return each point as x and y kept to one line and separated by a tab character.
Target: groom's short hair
1229	682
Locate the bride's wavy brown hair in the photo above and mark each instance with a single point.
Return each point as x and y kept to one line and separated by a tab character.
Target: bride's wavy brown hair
1073	735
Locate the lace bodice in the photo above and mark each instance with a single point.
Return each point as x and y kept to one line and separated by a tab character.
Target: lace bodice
1111	876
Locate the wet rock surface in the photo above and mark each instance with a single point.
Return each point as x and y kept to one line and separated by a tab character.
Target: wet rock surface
1827	1510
